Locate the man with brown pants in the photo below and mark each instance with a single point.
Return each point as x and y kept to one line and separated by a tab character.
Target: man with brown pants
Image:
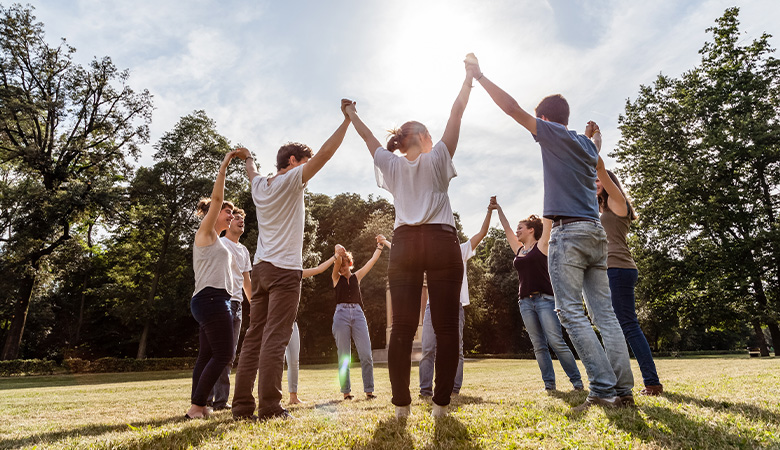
276	274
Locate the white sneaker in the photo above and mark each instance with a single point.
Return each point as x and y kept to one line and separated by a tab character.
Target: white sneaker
438	411
403	411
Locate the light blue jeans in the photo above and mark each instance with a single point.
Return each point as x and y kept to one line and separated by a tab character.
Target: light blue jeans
578	269
544	329
429	354
292	354
349	323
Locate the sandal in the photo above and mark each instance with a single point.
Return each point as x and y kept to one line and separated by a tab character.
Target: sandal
370	396
349	397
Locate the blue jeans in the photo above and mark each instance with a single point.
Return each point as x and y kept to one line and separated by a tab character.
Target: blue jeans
578	269
349	322
292	355
544	329
211	308
621	284
219	395
429	354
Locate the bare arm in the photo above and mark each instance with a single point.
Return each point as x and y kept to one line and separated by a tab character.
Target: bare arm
593	133
617	201
206	235
319	269
501	98
368	137
339	254
247	285
452	131
327	150
249	163
543	244
370	264
511	237
477	238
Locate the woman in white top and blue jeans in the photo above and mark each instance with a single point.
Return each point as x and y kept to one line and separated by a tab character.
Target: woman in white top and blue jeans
424	241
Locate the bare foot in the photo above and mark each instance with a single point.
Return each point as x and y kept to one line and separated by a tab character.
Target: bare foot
294	400
196	412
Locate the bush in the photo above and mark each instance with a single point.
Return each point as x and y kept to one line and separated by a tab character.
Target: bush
104	365
26	367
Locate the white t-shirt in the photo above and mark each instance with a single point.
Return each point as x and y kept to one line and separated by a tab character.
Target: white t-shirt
419	187
280	218
240	264
466	252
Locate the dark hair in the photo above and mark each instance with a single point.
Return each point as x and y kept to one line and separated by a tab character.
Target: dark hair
533	221
399	136
604	196
203	206
554	108
239	212
296	149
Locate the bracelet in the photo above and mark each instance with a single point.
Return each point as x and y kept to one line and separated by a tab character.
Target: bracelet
379	247
596	131
248	158
481	74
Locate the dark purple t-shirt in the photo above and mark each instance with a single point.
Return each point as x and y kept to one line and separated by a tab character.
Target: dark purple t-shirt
533	273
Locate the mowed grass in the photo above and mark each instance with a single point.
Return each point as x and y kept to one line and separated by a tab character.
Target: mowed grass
711	402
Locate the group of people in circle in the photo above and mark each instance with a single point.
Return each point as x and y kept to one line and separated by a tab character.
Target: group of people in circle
574	256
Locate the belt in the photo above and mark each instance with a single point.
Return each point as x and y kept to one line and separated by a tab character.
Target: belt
427	227
535	294
572	220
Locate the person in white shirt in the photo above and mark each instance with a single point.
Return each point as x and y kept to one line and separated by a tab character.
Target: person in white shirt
429	335
424	241
277	272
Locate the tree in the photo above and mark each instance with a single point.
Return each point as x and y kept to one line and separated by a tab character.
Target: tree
702	158
65	133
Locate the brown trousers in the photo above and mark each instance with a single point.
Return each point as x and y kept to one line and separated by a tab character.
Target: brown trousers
275	296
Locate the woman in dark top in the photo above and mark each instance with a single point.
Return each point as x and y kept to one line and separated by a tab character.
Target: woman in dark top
536	300
349	321
616	217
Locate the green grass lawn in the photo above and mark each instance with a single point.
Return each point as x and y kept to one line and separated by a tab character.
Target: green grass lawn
711	402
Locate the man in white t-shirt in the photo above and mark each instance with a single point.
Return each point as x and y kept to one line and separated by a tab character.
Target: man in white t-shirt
429	336
240	268
277	271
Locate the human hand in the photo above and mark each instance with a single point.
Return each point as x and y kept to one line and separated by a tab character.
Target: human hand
340	250
228	156
472	65
348	107
243	153
493	203
591	129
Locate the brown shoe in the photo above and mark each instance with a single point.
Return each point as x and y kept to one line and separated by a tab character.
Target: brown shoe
627	401
612	402
654	390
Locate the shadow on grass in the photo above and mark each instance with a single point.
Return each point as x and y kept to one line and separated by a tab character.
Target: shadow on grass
88	430
449	432
389	434
679	431
571	398
745	409
89	379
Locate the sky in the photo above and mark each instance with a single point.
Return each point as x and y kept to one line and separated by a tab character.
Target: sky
270	72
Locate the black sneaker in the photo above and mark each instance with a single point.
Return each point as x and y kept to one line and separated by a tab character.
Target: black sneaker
224	407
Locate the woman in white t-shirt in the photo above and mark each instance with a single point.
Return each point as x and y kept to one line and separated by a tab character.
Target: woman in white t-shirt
424	241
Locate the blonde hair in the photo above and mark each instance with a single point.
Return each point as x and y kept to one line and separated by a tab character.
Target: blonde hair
398	136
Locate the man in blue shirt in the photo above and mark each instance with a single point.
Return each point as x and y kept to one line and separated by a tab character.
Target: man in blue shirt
577	256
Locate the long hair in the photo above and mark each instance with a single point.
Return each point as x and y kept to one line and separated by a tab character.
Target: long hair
604	196
203	207
399	136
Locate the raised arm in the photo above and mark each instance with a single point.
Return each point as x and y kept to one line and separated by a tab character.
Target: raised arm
593	133
477	238
452	131
617	201
511	237
249	162
543	244
206	235
319	269
339	254
501	98
370	264
371	142
327	150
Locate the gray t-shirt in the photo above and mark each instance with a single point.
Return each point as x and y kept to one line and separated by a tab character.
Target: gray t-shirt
241	263
569	163
280	218
419	187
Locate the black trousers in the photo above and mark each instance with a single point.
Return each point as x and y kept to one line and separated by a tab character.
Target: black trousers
431	249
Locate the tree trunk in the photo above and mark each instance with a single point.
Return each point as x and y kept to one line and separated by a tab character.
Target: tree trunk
145	335
14	337
152	293
760	337
84	286
774	331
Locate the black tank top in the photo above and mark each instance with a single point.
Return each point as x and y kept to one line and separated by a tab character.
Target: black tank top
348	292
533	273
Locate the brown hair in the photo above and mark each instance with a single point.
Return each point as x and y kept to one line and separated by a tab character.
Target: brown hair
350	260
203	206
239	212
296	149
604	196
399	136
533	221
554	108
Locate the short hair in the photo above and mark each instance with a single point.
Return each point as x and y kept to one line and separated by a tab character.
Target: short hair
399	136
554	108
239	212
296	149
203	206
533	221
